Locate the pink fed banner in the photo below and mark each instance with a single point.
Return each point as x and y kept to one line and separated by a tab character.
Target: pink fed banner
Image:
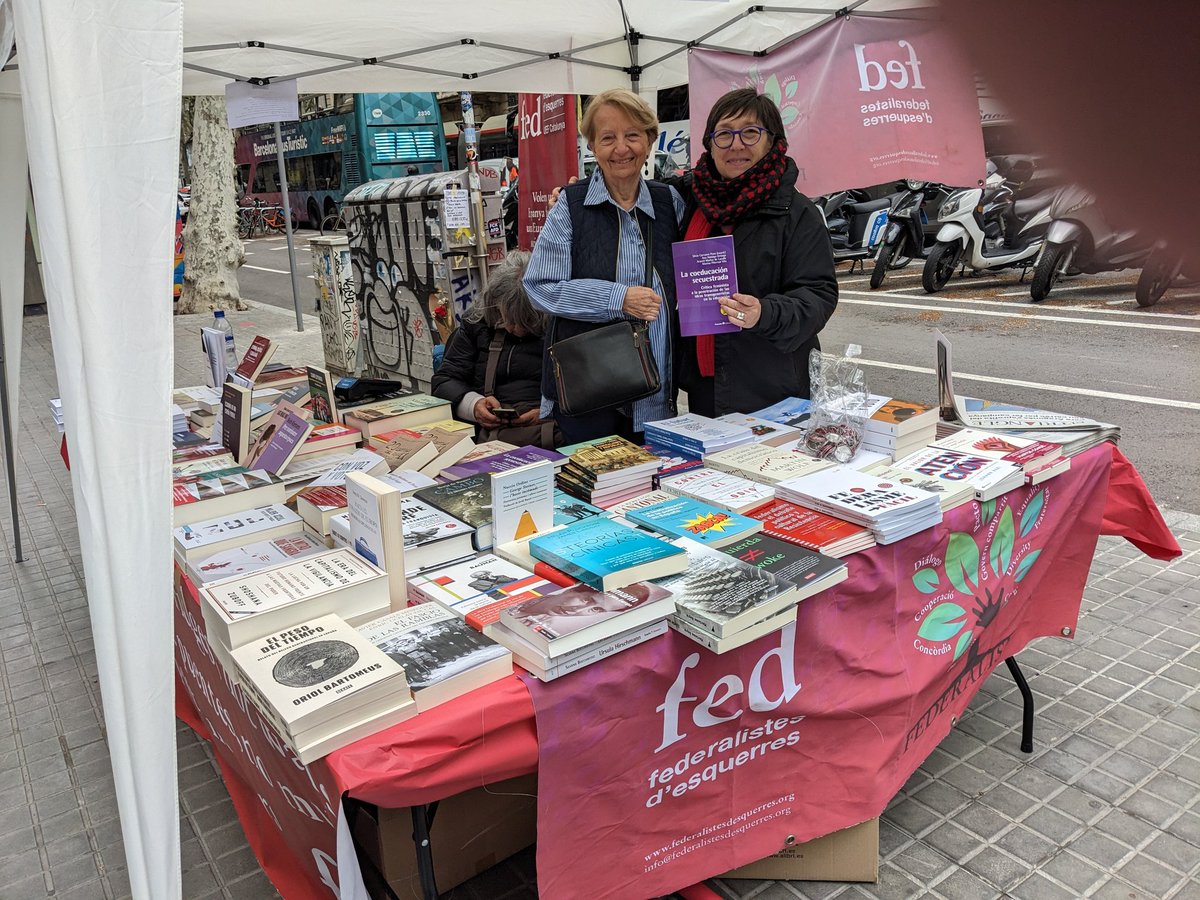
668	764
864	101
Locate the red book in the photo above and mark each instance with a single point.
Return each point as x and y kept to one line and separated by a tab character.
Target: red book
551	574
256	357
809	528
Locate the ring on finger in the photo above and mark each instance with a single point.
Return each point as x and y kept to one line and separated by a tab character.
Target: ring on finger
741	316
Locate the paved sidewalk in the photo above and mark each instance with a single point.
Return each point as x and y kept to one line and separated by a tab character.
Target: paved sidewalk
1107	805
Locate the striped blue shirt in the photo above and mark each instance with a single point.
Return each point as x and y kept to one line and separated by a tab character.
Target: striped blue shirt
552	289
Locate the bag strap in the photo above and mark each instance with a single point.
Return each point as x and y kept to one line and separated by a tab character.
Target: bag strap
493	363
647	230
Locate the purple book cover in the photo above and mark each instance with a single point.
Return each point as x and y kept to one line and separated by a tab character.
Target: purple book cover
501	462
282	445
705	273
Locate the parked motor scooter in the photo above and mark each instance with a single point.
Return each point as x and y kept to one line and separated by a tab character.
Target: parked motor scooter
855	223
1162	269
911	230
1081	239
986	229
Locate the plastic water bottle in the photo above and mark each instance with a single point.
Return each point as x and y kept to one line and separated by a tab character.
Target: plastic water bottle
222	324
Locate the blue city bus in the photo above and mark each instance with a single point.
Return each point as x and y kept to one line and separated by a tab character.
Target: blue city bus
384	136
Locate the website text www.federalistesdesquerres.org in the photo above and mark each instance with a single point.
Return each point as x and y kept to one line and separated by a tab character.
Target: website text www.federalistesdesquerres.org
719	831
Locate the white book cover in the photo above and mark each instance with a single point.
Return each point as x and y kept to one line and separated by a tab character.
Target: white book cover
302	579
641	501
546	668
303	671
696	429
522	502
764	430
339	530
731	492
985	476
254	557
408	481
302	468
361	460
952	493
453	584
856	495
765	464
425	524
376	528
198	535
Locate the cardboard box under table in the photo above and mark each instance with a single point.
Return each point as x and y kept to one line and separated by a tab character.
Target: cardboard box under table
469	833
851	854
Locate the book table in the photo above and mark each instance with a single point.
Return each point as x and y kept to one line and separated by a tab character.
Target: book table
666	748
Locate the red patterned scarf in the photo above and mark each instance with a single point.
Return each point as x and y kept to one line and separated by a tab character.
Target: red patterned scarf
728	202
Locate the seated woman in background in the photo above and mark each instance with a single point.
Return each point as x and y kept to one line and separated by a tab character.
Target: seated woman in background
493	362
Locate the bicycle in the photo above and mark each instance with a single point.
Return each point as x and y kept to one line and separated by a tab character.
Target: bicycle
333	223
260	217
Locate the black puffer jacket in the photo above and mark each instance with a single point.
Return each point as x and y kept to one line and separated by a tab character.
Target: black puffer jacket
784	258
518	376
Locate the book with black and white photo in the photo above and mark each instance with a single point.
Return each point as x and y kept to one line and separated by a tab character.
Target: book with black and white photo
565	620
322	685
442	656
432	538
547	668
468	500
722	594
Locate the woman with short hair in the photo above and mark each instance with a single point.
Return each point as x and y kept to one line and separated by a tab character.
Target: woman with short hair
589	265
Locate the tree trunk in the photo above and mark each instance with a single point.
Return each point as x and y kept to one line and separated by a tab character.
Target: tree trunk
212	246
186	118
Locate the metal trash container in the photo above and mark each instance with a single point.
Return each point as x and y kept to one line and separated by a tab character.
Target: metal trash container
414	277
337	303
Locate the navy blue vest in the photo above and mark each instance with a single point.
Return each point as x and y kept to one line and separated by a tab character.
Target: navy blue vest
595	234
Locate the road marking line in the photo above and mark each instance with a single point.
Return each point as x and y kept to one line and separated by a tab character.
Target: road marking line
1077	287
1058	388
1147	326
276	271
1026	306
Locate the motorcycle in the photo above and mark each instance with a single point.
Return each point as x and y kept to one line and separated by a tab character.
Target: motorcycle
855	224
1080	240
986	229
911	230
1162	269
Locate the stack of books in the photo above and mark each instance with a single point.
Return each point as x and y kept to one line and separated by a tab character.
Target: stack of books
503	461
441	655
606	555
892	511
322	685
431	537
765	431
208	495
1074	434
318	504
573	627
764	463
696	435
683	517
1038	459
179	419
197	540
723	602
951	492
244	608
898	427
253	557
731	492
477	590
327	438
608	471
399	412
988	478
805	527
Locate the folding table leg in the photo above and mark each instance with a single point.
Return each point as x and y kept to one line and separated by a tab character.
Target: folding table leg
422	821
1027	710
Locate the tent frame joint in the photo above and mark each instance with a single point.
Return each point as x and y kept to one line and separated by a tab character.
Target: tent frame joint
371	61
844	12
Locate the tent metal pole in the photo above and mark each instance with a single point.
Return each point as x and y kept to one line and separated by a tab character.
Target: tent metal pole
287	224
475	190
10	449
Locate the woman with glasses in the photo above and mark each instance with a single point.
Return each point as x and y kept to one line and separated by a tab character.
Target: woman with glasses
745	185
589	264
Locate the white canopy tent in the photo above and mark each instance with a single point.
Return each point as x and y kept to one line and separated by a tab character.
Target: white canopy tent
99	84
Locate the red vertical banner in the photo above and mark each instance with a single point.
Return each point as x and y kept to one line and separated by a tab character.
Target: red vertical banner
548	139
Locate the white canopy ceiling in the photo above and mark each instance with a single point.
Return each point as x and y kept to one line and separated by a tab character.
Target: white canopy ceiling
504	45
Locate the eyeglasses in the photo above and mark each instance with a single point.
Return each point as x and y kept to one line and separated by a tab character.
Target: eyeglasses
750	136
